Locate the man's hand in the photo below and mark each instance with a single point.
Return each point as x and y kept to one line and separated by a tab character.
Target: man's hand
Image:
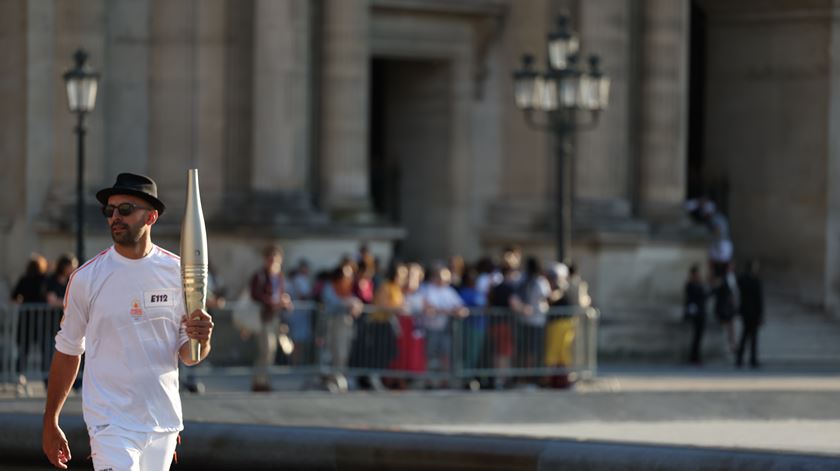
55	445
285	303
461	312
63	371
356	307
199	326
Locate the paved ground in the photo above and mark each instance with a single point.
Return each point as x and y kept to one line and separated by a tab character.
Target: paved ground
765	410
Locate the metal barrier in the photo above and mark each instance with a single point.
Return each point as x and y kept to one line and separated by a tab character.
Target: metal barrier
7	347
488	345
27	341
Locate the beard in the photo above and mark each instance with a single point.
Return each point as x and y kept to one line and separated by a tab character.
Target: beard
130	234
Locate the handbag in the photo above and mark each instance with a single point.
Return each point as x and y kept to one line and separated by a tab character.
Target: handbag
246	314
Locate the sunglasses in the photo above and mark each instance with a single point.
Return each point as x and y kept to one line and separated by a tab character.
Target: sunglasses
125	209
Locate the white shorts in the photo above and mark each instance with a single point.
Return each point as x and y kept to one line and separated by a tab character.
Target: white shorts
116	449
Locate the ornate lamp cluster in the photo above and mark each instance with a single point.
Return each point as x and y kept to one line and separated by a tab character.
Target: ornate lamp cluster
564	85
560	92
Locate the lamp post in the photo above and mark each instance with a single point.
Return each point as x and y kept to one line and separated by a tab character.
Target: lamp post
562	93
81	83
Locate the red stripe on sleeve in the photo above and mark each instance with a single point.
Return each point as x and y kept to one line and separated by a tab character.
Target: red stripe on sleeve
73	275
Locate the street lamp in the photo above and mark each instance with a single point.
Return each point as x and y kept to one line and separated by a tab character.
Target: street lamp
563	93
81	83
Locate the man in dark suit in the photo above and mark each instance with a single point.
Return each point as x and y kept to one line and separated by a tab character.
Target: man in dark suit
752	312
695	312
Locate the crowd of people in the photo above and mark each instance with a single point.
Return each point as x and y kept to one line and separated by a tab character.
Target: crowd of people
41	285
397	317
401	318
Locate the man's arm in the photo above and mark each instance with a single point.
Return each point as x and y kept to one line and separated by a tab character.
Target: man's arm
62	374
199	326
759	290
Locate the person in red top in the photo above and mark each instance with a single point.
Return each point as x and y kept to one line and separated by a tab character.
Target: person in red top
363	283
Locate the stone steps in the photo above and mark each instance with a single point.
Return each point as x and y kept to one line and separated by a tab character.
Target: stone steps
798	334
793	334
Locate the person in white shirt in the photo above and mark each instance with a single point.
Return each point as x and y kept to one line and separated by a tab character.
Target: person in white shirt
532	300
440	302
125	310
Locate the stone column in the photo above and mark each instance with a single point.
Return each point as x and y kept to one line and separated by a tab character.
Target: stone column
239	81
187	100
603	158
521	180
25	104
78	25
40	105
13	107
172	97
208	112
664	108
125	95
344	113
282	95
527	151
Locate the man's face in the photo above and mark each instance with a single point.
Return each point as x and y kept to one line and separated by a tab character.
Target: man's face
274	262
442	277
128	230
402	275
512	259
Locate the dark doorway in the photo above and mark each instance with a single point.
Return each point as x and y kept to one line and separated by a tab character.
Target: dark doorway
410	165
697	103
384	173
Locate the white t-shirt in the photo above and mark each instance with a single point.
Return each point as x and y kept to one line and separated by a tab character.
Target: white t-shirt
536	293
443	298
126	316
721	250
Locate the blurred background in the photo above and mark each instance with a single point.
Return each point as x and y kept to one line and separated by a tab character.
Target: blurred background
635	160
325	125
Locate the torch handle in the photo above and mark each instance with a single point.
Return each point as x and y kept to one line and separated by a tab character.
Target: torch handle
195	350
195	297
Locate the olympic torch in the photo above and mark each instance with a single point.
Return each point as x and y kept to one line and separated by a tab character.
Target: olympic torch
194	255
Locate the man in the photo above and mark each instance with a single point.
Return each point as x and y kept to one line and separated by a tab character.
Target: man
125	309
268	289
440	302
727	300
752	313
695	294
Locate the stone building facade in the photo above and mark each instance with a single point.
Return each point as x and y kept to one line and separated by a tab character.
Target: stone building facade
320	124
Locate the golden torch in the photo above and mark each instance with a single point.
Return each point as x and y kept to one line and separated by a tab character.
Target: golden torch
194	255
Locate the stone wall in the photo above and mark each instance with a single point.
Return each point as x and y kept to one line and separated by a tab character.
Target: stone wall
767	133
13	133
271	101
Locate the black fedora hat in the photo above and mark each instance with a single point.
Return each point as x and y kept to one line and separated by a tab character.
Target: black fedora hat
140	186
